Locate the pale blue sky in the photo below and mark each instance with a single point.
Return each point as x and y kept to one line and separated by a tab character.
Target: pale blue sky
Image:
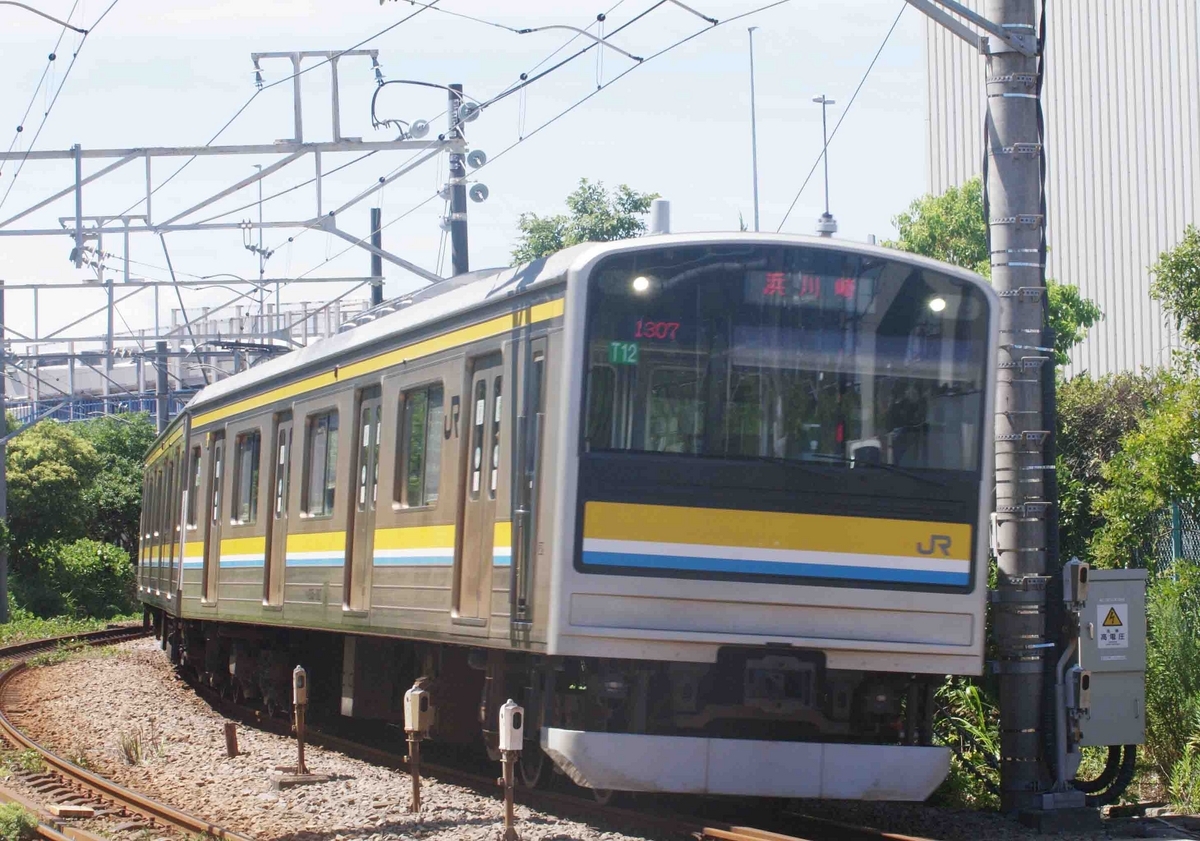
172	73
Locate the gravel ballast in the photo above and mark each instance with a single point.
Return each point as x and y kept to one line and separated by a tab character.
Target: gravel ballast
96	707
87	707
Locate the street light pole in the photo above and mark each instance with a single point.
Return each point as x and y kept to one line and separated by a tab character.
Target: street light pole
753	129
826	225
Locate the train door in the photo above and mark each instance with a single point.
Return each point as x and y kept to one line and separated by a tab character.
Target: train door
530	431
366	491
212	537
281	483
473	570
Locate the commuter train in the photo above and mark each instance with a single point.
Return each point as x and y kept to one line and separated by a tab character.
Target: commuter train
711	507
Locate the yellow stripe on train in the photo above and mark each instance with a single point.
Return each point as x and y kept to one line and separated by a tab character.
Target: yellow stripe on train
774	530
427	347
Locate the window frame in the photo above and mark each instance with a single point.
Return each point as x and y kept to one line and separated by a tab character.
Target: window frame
195	456
240	440
328	471
401	500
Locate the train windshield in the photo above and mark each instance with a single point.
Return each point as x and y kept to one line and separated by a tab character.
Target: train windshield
785	353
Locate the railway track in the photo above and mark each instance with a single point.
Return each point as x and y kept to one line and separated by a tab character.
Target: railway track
68	784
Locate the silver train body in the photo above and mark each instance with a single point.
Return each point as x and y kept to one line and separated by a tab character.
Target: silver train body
711	507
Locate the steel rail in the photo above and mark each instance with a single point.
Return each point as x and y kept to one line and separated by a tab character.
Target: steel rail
130	800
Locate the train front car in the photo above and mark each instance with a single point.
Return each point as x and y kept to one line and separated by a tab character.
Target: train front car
779	450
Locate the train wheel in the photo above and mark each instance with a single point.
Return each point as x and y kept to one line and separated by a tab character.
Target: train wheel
532	766
603	796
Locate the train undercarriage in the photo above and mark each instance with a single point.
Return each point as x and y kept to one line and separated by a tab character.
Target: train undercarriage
751	702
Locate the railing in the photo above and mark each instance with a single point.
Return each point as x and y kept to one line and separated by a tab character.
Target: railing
90	407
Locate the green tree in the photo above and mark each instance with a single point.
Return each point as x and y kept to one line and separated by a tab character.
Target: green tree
1177	285
1093	417
952	228
114	497
595	215
49	471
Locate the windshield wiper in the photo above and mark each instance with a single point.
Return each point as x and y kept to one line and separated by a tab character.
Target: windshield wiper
878	465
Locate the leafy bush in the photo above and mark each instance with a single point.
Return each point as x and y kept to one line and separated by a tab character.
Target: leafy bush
1184	783
971	725
1093	416
97	579
17	823
1173	669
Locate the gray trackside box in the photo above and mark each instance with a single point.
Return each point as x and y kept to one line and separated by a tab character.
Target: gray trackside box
1112	648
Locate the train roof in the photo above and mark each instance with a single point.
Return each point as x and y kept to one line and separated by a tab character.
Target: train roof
472	290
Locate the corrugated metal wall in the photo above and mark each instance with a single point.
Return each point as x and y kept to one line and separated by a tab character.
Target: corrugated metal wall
1122	102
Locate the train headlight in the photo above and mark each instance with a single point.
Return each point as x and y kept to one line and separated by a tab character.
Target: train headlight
641	284
937	304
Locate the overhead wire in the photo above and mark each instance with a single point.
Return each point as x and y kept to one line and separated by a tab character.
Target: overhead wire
51	58
46	114
845	111
270	85
562	114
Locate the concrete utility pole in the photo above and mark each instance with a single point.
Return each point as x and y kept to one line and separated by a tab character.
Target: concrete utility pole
459	261
1015	223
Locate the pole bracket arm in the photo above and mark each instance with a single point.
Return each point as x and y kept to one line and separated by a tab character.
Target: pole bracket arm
1006	41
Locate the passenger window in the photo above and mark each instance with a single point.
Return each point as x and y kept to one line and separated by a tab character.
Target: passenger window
218	448
421	447
245	479
283	475
321	464
495	438
194	482
478	417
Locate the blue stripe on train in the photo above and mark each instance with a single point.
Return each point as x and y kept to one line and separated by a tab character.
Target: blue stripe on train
851	573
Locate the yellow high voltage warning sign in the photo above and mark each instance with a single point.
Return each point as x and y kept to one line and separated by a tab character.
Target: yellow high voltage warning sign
1113	619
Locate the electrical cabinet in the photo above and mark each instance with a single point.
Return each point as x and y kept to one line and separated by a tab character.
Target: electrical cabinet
1112	653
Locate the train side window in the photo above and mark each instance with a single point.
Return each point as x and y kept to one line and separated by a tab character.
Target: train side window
245	480
320	464
194	484
218	447
283	474
495	439
421	447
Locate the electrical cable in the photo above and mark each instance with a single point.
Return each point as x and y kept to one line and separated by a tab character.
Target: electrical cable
46	114
833	134
258	91
37	89
559	116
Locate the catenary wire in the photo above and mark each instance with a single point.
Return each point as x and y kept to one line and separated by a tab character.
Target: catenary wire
258	91
559	116
46	114
845	111
45	71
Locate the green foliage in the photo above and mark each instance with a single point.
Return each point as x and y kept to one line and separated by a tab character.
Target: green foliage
1177	285
972	727
951	228
596	215
1093	416
1183	784
1173	672
49	470
17	823
1153	467
23	625
114	497
74	506
82	578
1071	316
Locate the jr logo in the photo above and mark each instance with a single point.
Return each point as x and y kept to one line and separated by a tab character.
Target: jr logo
936	542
